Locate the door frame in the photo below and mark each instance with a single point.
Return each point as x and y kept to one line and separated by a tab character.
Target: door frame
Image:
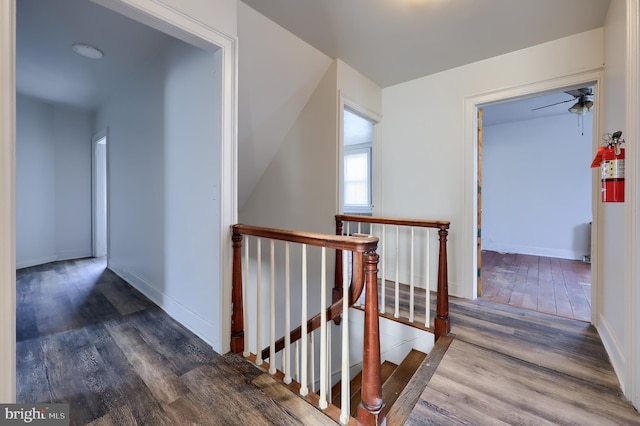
103	134
172	21
470	223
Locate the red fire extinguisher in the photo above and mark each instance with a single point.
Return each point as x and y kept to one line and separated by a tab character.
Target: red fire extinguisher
610	158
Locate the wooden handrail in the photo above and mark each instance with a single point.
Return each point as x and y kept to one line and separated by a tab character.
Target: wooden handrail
360	245
365	262
441	321
439	224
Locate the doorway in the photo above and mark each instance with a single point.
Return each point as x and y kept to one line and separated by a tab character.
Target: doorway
535	214
100	196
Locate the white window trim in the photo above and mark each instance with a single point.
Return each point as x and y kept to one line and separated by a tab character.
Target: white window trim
376	169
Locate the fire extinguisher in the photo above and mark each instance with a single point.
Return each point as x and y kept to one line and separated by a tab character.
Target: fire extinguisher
610	159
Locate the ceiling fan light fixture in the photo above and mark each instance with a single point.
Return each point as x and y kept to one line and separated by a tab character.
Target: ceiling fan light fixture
581	108
87	51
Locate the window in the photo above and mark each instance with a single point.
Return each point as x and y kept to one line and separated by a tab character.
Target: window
357	178
358	147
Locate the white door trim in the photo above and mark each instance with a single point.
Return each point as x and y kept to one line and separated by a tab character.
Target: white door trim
103	134
7	201
470	190
632	203
161	16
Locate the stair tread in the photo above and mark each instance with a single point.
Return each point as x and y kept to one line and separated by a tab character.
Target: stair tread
394	385
356	385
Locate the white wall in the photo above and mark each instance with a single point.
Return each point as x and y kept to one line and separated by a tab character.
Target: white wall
612	316
426	169
53	183
164	148
536	187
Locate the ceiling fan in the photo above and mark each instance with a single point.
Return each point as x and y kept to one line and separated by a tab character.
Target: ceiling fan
582	98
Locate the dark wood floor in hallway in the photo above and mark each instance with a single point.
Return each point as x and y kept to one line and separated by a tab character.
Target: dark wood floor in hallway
87	338
544	284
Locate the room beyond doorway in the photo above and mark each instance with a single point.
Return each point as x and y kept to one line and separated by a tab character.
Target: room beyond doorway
537	199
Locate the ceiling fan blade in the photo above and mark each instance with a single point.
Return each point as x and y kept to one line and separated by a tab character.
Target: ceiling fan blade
557	103
584	91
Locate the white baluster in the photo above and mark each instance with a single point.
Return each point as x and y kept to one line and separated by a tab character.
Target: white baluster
287	316
245	296
384	279
258	301
359	227
411	284
312	361
345	391
272	311
328	375
323	331
296	345
427	304
397	310
304	383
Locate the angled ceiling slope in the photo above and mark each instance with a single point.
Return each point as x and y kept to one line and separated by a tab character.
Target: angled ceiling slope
393	41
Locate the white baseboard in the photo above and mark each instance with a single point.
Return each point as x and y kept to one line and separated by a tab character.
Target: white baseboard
34	262
65	255
614	350
536	251
191	320
74	254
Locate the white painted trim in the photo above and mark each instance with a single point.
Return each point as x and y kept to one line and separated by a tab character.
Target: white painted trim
632	279
469	188
613	347
178	311
172	21
345	101
7	202
94	141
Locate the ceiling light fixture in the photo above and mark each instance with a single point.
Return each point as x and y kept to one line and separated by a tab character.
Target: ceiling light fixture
87	50
582	107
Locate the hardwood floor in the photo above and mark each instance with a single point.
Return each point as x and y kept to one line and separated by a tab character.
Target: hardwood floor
556	286
509	366
87	338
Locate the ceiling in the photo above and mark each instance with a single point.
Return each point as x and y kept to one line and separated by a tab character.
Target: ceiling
48	69
393	41
390	41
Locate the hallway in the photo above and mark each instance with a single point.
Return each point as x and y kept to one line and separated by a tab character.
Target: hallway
87	338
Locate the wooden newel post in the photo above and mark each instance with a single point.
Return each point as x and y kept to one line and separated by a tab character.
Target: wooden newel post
237	317
371	410
441	322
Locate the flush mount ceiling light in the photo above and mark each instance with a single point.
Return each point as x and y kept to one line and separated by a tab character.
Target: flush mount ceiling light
87	50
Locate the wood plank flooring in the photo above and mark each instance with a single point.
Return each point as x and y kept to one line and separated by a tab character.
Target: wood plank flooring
509	366
544	284
87	338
